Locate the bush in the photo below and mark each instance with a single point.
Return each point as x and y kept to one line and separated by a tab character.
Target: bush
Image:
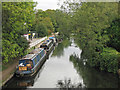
10	50
109	60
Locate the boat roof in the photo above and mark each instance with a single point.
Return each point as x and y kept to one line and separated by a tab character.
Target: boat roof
51	37
32	54
35	51
28	56
47	42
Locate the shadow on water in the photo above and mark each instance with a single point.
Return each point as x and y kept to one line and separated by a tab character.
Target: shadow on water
68	84
26	82
22	83
59	49
93	78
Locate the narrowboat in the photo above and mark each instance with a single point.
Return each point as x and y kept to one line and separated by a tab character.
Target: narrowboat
53	39
30	63
47	45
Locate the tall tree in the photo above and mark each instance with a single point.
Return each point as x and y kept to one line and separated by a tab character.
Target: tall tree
14	17
90	21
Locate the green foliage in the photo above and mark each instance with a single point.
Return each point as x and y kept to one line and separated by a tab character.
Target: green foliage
48	23
59	50
19	18
14	16
90	21
52	14
109	60
10	51
41	30
114	34
54	20
95	25
91	75
42	19
63	21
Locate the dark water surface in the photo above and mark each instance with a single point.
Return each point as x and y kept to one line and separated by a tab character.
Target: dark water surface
63	64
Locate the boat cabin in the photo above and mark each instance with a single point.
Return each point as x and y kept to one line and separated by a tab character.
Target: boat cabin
47	44
28	63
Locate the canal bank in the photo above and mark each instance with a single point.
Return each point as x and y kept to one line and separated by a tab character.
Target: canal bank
64	64
8	73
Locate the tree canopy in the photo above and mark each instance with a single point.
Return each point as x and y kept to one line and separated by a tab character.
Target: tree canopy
14	17
97	32
18	18
95	26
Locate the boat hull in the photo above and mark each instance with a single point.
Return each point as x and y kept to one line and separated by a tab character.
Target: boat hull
32	71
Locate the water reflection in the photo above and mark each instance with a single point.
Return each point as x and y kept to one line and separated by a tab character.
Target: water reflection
59	49
68	84
58	66
65	69
93	78
22	83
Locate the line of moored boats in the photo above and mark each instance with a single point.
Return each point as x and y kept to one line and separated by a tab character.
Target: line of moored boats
29	64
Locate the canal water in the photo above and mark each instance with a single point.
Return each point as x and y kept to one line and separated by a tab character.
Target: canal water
64	65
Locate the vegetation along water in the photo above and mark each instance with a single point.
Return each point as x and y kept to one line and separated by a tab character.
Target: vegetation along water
94	27
65	69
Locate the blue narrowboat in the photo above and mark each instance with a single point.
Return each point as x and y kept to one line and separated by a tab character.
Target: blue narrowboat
47	45
30	63
53	39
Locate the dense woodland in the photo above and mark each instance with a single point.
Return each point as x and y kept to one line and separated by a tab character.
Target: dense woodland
95	27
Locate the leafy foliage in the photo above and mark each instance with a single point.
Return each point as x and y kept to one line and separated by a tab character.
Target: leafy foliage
20	18
96	28
14	15
42	23
91	75
54	20
114	34
109	60
41	30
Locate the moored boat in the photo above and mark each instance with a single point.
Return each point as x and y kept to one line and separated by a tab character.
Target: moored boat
53	39
47	45
30	63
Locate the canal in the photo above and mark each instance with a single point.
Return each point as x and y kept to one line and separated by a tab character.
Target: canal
64	67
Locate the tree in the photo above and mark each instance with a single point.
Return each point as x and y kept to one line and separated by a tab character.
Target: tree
42	19
41	30
14	15
90	21
114	35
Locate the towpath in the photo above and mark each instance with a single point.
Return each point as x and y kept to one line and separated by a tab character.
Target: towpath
8	73
36	41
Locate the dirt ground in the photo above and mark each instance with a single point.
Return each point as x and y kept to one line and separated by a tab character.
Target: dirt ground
9	71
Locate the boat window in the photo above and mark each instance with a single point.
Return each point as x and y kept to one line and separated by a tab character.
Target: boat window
41	53
29	64
26	62
38	57
35	60
43	46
